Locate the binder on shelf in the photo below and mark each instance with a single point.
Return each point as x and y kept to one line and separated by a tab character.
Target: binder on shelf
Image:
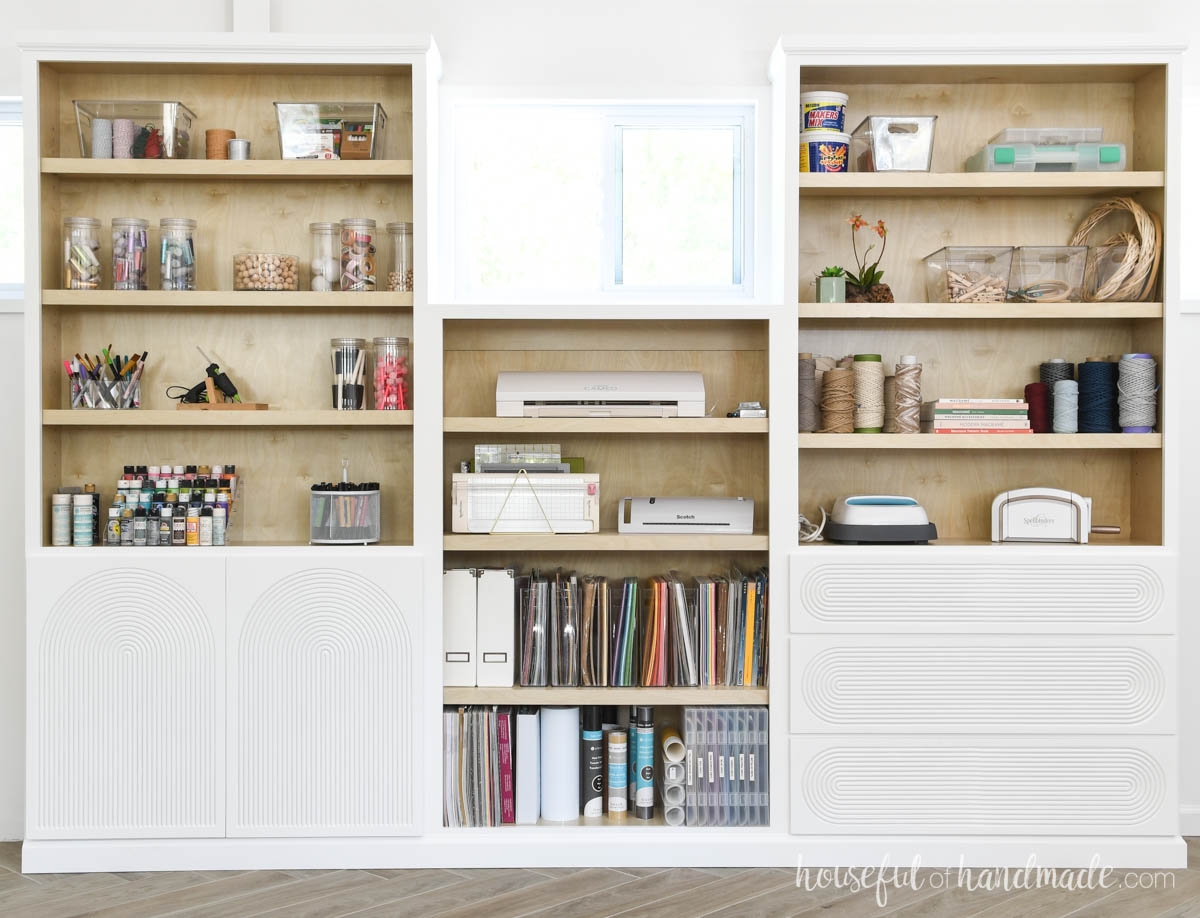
459	639
529	780
495	635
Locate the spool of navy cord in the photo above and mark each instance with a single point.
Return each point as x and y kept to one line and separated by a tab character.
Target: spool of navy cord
1097	396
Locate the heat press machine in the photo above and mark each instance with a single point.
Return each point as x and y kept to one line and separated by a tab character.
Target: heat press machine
1044	515
881	519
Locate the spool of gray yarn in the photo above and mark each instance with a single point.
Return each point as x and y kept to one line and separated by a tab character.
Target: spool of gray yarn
102	138
809	408
1051	372
1066	406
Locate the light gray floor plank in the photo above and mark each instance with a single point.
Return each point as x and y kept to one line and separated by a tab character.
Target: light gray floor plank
955	902
790	900
45	903
1144	903
395	873
413	883
711	897
495	882
641	871
551	893
10	856
617	899
1045	902
290	895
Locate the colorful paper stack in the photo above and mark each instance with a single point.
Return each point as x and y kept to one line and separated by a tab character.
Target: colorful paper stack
976	416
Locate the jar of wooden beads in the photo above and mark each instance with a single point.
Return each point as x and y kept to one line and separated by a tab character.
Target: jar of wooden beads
400	267
81	253
393	387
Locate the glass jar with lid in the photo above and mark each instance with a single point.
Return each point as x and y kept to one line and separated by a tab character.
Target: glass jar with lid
393	388
323	263
130	243
81	253
400	249
358	254
178	255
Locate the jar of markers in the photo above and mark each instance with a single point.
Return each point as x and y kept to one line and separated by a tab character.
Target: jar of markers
81	253
358	254
392	382
323	264
129	249
178	257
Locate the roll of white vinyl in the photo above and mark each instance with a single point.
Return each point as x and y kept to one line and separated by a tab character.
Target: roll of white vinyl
560	764
672	745
673	815
673	794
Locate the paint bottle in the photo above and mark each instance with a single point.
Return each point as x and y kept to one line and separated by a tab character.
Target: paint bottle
139	527
591	758
219	517
127	527
164	525
206	527
618	773
91	489
644	778
61	520
112	530
192	526
179	525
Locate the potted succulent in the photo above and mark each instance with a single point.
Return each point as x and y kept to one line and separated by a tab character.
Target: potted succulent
831	285
867	285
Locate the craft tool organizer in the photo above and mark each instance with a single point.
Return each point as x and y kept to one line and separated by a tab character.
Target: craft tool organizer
244	633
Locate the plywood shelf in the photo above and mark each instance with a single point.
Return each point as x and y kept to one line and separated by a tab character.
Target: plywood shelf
200	299
980	441
605	425
230	169
843	311
517	695
602	541
271	418
973	184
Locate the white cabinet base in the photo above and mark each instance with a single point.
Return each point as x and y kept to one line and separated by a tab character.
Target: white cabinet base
597	847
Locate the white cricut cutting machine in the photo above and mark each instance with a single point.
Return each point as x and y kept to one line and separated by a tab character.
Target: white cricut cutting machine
879	518
1043	515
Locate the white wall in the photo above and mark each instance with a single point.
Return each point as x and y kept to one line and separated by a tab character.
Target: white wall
602	47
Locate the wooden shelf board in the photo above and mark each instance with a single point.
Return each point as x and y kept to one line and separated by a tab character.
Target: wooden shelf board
602	541
146	417
980	441
517	695
192	299
983	184
844	311
605	425
229	169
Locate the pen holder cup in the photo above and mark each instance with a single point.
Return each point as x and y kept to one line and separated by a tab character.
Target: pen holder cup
343	517
106	394
353	397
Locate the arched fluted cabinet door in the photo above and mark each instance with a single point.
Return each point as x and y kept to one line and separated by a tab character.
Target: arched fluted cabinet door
125	706
323	694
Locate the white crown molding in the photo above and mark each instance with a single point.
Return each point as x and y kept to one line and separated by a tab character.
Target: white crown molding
976	45
70	45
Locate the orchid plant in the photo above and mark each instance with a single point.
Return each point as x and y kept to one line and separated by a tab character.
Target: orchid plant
868	274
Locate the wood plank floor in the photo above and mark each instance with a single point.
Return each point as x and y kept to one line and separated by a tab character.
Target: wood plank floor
639	892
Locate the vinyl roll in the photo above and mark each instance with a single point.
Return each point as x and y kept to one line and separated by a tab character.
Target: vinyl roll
673	748
560	764
674	815
673	794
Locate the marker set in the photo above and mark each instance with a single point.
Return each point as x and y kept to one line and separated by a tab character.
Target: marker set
107	380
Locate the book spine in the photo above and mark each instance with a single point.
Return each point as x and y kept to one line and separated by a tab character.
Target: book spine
983	430
975	423
942	402
979	412
508	807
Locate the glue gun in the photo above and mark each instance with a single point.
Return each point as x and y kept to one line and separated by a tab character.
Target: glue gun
220	380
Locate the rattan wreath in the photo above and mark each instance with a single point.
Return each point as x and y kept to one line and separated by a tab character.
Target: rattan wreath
1137	276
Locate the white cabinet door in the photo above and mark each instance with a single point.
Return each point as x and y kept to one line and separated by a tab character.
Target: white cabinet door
324	693
125	696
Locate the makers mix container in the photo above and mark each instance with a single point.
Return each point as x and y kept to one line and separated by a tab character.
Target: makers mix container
824	151
823	110
968	274
1047	274
893	143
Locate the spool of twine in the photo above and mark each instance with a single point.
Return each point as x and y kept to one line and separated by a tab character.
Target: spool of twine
1038	397
1050	372
216	143
889	404
122	138
908	395
868	393
809	408
1066	406
102	138
1137	393
1097	396
837	401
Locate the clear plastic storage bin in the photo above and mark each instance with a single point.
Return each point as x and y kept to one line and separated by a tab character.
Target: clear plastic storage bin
331	130
81	253
968	274
344	517
893	143
1047	274
134	130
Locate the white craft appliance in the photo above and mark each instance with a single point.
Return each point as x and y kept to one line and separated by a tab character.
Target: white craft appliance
879	518
600	394
1044	515
686	515
525	502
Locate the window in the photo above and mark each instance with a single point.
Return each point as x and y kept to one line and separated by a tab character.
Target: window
554	200
12	213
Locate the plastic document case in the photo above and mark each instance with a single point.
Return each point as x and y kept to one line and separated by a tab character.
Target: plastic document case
533	503
727	779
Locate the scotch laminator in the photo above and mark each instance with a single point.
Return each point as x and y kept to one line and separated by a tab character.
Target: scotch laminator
600	394
686	515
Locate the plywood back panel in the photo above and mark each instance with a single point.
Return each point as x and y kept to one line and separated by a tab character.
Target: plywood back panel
240	98
233	217
277	466
278	356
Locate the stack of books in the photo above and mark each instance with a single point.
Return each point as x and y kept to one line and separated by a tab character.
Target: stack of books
976	416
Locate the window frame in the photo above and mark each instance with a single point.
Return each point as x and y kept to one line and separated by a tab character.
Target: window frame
12	114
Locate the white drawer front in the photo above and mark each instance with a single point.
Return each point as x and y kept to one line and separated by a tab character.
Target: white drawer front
993	785
847	683
125	697
1064	589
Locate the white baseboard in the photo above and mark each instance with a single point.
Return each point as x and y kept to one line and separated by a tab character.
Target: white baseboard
536	846
1189	818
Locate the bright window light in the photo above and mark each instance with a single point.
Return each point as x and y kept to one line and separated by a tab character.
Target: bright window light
12	214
